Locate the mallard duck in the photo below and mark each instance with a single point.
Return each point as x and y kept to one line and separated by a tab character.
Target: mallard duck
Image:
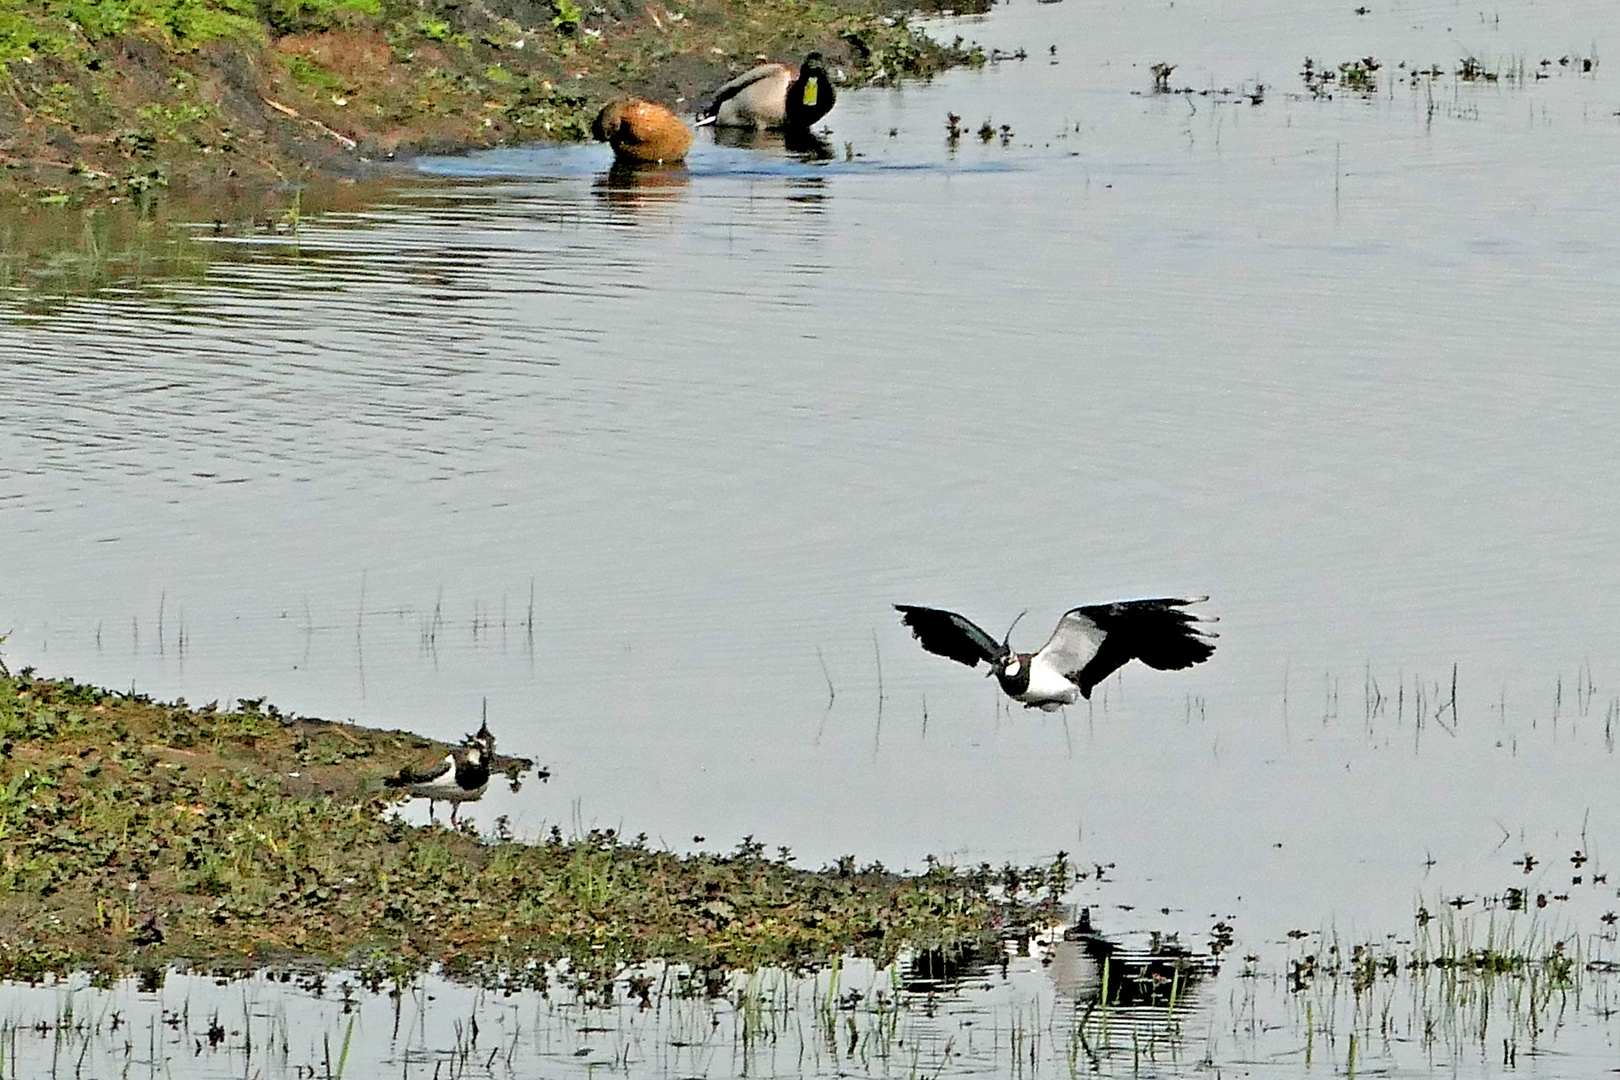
773	96
641	132
1089	644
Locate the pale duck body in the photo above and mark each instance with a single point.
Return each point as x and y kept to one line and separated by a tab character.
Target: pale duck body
772	95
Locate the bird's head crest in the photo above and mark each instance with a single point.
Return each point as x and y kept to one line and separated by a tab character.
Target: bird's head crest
1006	641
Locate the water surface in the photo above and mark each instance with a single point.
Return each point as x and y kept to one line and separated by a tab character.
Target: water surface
645	465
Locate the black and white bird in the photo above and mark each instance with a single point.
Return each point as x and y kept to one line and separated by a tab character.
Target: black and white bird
773	95
1089	644
460	777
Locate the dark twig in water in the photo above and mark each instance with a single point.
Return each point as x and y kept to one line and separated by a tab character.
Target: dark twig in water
831	693
359	625
877	734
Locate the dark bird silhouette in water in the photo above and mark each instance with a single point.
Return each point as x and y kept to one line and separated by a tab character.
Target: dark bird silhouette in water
1089	644
460	777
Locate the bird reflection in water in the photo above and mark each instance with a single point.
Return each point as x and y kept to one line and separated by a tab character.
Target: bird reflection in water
803	144
641	187
1129	991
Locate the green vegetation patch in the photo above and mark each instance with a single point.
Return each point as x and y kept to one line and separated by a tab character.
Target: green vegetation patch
33	29
135	833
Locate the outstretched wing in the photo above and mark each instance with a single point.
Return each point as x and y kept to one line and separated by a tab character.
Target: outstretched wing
1091	643
731	89
946	633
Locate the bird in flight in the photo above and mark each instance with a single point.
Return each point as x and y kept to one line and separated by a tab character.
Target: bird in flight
1089	644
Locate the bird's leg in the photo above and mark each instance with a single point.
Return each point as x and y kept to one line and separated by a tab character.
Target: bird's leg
430	811
455	808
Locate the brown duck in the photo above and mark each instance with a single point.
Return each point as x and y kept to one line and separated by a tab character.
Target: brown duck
642	132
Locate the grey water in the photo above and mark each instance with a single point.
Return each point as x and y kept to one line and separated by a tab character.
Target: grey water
643	466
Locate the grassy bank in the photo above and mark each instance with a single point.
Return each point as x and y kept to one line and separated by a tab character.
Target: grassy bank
136	834
124	96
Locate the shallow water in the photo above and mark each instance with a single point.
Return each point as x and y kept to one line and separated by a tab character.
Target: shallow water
644	465
1026	1013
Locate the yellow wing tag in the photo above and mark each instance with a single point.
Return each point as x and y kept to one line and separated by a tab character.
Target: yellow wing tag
810	89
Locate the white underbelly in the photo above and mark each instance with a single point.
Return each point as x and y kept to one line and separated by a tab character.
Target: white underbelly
1047	689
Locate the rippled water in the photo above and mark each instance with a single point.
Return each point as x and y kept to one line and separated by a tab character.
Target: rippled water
644	463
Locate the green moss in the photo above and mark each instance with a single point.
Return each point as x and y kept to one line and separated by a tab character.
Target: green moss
567	16
309	73
65	28
296	16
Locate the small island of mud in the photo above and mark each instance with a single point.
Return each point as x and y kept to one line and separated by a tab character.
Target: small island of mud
138	835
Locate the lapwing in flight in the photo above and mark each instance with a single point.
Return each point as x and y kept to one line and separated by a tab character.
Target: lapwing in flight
1089	644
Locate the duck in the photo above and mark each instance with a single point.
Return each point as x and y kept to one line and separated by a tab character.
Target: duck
773	95
642	132
1089	644
462	776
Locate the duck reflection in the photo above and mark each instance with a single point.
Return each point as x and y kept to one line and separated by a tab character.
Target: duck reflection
803	144
641	187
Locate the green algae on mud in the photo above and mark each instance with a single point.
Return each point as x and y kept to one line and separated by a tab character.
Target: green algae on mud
124	98
136	834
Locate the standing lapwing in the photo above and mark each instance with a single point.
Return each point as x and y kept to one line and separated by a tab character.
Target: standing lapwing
1089	644
773	95
461	777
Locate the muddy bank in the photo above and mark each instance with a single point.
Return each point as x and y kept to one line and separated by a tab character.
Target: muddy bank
135	833
229	95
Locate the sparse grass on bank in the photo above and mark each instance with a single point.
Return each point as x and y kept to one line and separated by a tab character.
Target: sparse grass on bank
124	96
135	834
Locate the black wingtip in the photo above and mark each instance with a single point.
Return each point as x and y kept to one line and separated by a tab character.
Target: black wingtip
948	634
